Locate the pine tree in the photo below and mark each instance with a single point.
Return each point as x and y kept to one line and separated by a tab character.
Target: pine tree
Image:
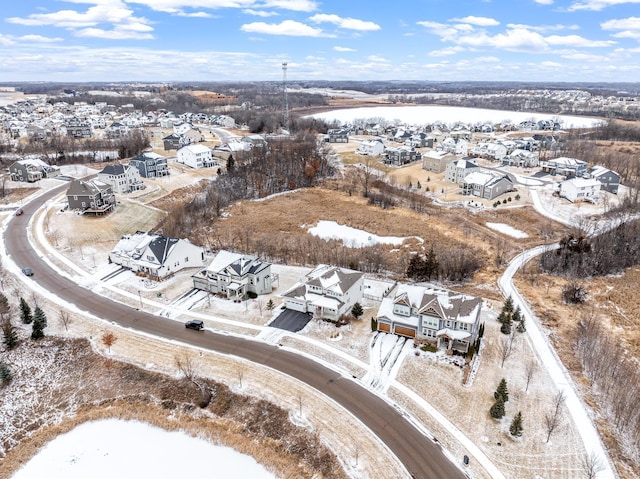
25	312
431	265
516	425
5	373
9	335
39	323
497	410
270	305
516	317
508	305
418	185
502	391
521	328
506	325
38	313
357	310
4	306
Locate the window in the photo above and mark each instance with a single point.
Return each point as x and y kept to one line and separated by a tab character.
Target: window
186	259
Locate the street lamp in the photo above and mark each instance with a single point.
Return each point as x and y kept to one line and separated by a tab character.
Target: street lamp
140	296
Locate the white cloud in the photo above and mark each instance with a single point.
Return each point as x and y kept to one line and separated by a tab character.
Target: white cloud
577	41
343	49
517	40
446	51
287	27
544	28
631	23
585	57
347	23
479	21
295	5
39	39
377	59
259	13
6	40
597	5
116	34
195	14
544	2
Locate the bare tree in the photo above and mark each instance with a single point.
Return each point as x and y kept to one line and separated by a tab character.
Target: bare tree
240	372
552	419
591	465
65	319
529	371
186	366
505	348
366	172
109	339
558	401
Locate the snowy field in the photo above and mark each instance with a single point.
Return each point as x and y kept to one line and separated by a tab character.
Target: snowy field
115	448
421	115
507	230
351	237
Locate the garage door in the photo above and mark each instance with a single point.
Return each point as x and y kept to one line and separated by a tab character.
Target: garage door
384	327
402	331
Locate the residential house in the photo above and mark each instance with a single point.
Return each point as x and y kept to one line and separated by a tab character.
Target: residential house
327	292
77	128
436	161
175	141
196	156
194	135
123	178
521	158
490	150
91	197
254	141
234	275
446	319
420	140
150	164
400	155
156	256
116	130
373	147
457	170
486	184
580	189
458	146
32	169
569	167
337	135
609	180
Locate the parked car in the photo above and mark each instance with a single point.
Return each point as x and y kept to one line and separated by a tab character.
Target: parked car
19	211
194	324
27	271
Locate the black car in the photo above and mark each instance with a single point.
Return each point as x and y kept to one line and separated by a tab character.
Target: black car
27	271
194	324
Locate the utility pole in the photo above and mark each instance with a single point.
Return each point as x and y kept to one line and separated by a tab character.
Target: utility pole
285	99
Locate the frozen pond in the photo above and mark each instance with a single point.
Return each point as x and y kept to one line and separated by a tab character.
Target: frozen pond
422	115
113	448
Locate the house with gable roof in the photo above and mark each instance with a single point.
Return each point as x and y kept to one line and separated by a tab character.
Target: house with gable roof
486	184
32	169
327	292
609	180
91	197
234	275
150	164
156	256
123	178
457	170
447	319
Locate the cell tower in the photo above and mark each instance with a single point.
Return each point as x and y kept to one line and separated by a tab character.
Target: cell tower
285	106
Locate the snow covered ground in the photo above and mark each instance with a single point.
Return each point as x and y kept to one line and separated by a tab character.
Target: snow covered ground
420	115
351	237
507	230
114	448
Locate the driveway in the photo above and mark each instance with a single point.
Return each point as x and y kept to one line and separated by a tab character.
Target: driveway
291	320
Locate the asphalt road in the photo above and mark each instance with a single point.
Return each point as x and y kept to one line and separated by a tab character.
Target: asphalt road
422	458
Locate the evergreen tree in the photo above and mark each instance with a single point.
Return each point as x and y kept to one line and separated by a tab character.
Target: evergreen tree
4	306
25	312
357	310
497	410
516	425
516	317
481	330
502	391
418	185
270	305
9	335
521	328
416	267
506	325
5	373
38	313
230	164
39	323
431	265
508	305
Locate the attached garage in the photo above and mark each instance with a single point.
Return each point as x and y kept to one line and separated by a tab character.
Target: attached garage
404	331
384	327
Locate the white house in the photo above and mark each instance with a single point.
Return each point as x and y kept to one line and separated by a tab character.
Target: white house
457	170
458	146
564	166
327	292
156	256
486	184
196	156
447	319
579	189
234	275
373	147
123	178
489	150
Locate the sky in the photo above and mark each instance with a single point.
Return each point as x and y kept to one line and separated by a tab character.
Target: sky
222	40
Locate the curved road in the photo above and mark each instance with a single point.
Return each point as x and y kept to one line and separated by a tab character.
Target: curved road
422	458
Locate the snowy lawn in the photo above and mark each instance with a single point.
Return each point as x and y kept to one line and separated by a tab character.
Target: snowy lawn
507	230
115	448
351	237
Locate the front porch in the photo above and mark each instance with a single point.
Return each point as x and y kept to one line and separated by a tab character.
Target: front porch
452	340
